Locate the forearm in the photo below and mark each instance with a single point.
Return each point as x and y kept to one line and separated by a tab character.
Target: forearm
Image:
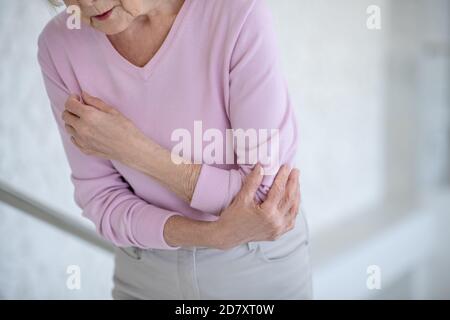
156	162
180	231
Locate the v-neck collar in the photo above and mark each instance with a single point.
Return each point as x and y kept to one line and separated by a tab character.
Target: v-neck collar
144	72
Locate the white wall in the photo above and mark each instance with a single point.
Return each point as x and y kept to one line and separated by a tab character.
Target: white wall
360	119
334	65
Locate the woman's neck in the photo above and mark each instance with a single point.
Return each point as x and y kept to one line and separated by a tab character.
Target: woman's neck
146	34
162	7
155	13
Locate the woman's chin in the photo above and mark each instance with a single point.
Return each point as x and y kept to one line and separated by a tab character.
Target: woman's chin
111	28
118	21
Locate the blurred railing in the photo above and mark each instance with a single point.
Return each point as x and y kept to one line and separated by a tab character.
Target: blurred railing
42	212
339	258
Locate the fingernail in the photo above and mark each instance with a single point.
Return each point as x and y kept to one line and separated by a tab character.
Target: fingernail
258	168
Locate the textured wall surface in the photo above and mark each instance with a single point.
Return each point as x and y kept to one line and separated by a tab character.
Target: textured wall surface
34	257
334	66
337	72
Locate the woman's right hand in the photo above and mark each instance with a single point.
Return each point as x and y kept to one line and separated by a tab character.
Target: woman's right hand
245	220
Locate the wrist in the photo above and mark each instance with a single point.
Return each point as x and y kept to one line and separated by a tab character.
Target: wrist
190	174
222	236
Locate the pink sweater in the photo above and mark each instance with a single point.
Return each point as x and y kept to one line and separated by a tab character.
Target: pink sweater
219	65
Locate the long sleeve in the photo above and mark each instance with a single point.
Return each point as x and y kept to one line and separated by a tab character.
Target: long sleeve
258	99
100	191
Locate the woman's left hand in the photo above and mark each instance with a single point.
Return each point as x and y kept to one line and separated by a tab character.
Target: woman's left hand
100	130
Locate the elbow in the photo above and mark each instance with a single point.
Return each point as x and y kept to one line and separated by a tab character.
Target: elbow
103	219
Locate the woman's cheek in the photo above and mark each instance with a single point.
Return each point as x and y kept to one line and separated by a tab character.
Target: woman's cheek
133	7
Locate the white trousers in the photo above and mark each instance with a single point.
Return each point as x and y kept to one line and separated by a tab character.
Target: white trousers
256	270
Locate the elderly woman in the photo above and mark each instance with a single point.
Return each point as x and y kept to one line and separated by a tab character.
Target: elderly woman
205	222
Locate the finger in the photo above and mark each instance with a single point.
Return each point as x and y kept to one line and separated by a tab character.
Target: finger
69	118
76	143
294	210
276	191
252	183
70	130
290	191
74	106
95	102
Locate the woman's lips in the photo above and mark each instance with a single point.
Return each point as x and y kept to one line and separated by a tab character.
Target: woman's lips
104	16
